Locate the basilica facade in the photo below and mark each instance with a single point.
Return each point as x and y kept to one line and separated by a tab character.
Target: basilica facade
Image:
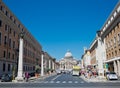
67	62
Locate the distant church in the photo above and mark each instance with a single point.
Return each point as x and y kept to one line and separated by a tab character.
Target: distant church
67	62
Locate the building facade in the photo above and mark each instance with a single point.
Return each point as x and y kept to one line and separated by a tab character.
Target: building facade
67	62
10	28
105	50
111	34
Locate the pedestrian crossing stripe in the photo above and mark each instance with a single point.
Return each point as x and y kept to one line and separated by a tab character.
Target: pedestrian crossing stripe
69	81
58	82
76	81
64	82
61	82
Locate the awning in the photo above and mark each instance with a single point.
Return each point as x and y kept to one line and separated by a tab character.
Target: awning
111	60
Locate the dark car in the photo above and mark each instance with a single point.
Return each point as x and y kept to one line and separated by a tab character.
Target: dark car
6	78
32	74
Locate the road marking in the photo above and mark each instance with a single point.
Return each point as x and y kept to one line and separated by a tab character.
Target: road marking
69	81
46	82
82	82
76	82
51	81
56	77
58	82
64	82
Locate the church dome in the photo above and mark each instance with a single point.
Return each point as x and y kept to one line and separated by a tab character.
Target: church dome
68	54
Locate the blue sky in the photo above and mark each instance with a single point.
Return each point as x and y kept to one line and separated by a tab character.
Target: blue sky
61	25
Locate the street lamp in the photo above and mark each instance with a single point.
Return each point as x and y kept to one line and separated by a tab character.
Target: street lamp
20	61
42	68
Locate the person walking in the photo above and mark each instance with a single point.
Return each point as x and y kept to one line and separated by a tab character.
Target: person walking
26	76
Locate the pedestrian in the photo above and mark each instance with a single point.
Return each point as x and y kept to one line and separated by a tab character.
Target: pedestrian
26	76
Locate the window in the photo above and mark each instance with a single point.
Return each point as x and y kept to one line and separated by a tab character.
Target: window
15	21
10	31
5	40
11	17
111	42
0	23
8	67
6	27
4	54
9	42
13	44
0	38
6	13
14	33
3	67
115	53
112	54
9	55
13	56
119	38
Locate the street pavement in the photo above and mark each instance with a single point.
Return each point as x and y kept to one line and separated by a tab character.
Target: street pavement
60	81
97	79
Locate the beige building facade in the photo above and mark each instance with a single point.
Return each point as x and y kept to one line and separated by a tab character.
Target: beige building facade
111	34
105	49
10	28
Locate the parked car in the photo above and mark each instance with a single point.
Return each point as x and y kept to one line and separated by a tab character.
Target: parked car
58	72
32	74
111	75
6	78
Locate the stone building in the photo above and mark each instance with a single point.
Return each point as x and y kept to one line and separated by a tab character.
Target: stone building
110	32
67	62
10	28
105	50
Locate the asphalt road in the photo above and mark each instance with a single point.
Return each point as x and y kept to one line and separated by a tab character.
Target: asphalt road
60	81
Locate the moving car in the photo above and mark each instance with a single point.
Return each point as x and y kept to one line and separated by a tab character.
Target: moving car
111	75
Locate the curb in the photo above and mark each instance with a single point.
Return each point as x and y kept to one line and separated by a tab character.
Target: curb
40	78
99	80
93	80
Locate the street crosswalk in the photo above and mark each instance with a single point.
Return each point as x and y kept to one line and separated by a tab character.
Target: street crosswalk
64	82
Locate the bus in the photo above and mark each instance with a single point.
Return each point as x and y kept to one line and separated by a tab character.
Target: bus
76	70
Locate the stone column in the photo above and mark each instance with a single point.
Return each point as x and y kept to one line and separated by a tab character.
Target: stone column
42	67
118	67
115	67
20	62
49	64
53	65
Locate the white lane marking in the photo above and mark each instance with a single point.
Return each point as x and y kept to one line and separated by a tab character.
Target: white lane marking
82	82
46	82
69	81
64	82
51	81
58	82
56	77
76	82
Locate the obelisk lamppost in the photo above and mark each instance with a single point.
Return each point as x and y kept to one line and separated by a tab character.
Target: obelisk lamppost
20	61
42	67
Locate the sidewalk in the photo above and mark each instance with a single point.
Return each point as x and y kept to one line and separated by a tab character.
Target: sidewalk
40	77
93	79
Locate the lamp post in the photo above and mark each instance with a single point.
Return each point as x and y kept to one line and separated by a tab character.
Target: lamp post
20	61
42	68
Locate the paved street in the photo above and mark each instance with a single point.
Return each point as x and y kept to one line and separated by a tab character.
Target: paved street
61	81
